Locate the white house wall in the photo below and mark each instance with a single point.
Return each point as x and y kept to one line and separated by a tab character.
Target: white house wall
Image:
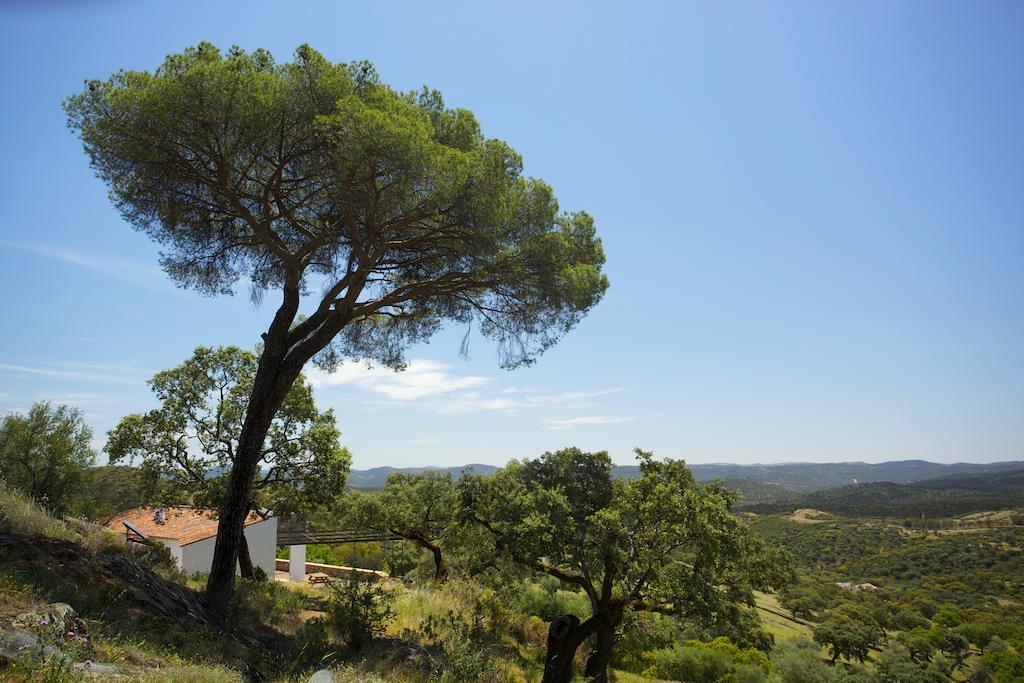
197	558
262	538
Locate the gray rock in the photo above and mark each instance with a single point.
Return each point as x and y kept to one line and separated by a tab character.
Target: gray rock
58	617
322	676
25	648
98	670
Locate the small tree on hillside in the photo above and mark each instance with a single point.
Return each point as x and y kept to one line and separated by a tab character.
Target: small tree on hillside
393	210
46	453
189	445
419	507
848	632
659	542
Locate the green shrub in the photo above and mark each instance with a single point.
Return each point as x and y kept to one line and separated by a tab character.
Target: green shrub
359	611
719	660
799	661
1000	658
269	602
537	602
897	665
311	647
642	633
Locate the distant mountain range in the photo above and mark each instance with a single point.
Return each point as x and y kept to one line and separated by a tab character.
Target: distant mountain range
758	481
375	477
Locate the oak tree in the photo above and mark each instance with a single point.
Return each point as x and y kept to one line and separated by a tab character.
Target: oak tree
420	507
381	214
46	453
189	444
660	542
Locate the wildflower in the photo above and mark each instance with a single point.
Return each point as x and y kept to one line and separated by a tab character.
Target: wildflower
79	665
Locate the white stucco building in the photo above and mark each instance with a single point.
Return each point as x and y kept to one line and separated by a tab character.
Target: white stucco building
191	533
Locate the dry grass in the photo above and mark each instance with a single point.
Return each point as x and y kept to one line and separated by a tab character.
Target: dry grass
22	515
187	674
773	619
810	516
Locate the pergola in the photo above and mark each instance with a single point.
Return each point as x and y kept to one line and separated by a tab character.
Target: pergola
297	539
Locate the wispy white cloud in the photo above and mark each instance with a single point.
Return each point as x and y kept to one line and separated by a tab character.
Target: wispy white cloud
519	390
421	379
568	397
75	398
423	441
125	270
435	386
61	373
474	402
590	420
521	399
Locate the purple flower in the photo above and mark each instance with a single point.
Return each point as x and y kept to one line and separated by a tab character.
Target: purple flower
79	665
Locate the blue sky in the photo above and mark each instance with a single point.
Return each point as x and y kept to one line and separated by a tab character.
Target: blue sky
813	214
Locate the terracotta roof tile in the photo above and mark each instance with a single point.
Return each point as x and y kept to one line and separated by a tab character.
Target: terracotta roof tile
183	524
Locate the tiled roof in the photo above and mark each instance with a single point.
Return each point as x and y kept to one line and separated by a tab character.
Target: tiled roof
185	525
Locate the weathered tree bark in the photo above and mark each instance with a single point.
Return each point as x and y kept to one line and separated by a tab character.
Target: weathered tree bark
269	389
276	373
601	656
245	567
440	564
238	498
565	635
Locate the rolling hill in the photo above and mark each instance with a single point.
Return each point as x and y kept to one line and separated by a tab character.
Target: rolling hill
947	496
779	478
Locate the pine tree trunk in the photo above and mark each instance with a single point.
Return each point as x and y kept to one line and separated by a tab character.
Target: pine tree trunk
245	567
269	390
274	378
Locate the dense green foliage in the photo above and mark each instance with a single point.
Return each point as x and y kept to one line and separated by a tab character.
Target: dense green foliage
658	542
421	508
188	445
359	611
46	452
110	489
243	167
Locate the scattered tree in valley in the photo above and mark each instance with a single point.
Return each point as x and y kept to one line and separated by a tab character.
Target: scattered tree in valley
46	453
391	210
848	632
659	542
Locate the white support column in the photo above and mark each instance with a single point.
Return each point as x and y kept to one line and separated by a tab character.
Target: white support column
297	563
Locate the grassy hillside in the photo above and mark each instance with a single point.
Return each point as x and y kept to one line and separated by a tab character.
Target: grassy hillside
952	495
135	612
